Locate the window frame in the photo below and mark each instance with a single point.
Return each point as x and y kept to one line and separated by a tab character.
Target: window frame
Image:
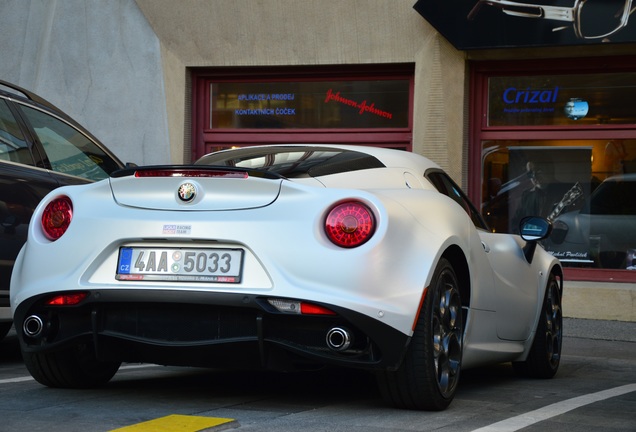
203	137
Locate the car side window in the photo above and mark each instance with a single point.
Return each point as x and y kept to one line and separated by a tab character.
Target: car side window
68	150
13	146
445	185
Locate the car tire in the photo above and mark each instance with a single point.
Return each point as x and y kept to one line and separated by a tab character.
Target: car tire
545	353
74	367
428	376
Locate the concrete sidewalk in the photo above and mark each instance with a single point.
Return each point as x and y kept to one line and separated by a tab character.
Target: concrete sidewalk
599	330
599	300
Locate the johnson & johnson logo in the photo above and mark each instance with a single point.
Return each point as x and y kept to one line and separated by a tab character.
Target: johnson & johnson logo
361	106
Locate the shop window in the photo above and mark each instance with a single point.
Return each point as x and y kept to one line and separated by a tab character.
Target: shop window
365	105
584	187
558	139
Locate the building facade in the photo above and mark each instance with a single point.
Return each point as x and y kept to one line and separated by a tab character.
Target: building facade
519	117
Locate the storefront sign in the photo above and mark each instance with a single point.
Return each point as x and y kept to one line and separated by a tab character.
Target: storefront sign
363	106
535	100
266	97
258	97
528	101
513	95
266	111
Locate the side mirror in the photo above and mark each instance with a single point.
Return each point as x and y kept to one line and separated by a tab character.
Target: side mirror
533	229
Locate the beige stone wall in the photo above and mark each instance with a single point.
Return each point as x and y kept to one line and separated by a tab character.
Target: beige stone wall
286	32
177	107
306	32
439	116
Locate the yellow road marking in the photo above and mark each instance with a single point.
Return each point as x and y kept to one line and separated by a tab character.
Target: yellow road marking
175	422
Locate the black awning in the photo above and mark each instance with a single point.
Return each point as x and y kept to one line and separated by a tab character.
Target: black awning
479	24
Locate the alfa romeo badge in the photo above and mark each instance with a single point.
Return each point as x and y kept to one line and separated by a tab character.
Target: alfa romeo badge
187	192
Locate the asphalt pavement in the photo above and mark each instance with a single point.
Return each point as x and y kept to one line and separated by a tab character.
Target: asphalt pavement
594	390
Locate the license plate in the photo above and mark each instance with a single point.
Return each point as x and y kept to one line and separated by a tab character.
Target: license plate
180	265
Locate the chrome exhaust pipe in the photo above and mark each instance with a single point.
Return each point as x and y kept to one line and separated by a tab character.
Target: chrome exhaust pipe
33	326
338	339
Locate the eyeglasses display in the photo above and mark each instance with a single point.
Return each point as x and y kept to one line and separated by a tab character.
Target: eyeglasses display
590	19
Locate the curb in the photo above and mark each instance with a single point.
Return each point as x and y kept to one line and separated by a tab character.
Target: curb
599	301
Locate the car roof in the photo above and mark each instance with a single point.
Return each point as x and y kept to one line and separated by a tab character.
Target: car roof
298	160
17	92
622	177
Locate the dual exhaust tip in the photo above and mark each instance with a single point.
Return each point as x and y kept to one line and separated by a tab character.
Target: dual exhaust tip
338	339
33	326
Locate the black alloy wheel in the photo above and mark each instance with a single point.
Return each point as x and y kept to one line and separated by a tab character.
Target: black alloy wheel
545	355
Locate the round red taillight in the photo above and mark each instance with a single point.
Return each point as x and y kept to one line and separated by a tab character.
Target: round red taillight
350	224
57	217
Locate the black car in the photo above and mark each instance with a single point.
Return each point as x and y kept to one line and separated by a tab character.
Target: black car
41	148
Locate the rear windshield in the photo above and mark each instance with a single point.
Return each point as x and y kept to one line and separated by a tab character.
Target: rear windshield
294	161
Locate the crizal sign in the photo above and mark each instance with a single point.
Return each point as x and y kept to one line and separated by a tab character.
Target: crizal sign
529	100
512	95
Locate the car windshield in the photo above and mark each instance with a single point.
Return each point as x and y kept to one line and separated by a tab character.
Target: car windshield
294	161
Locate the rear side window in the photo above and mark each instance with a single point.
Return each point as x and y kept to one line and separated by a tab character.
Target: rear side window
68	150
13	146
445	185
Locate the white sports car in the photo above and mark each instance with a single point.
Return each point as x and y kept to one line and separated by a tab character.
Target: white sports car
284	257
